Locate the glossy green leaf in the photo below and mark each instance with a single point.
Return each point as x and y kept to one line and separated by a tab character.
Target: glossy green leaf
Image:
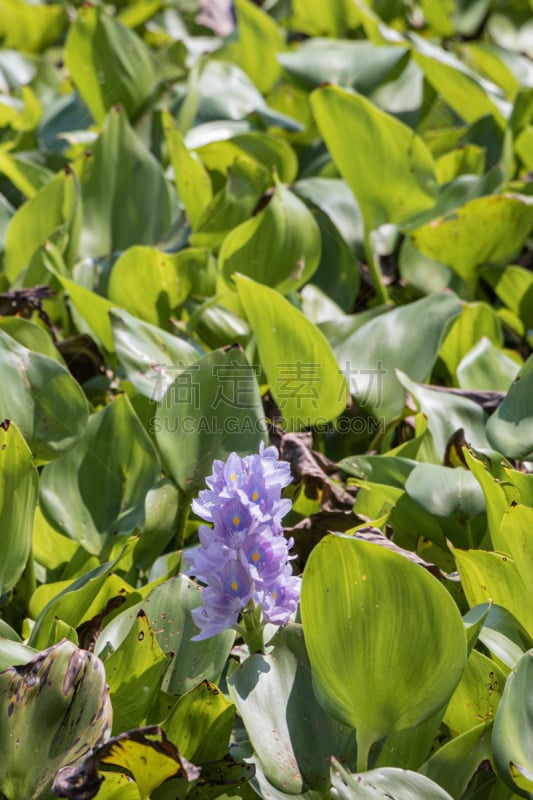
168	608
274	693
97	491
446	414
28	27
475	321
233	205
73	602
485	367
370	355
514	287
487	576
53	211
378	784
42	398
268	151
469	95
499	494
510	428
217	401
200	723
108	63
373	592
388	154
445	492
18	496
150	356
149	284
91	311
128	204
259	41
477	696
454	764
280	246
62	694
192	181
504	636
134	672
302	373
357	65
487	230
315	18
513	730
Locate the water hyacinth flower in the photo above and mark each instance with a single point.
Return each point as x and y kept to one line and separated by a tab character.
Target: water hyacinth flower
243	557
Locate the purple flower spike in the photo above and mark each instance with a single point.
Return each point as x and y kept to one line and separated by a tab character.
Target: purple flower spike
244	558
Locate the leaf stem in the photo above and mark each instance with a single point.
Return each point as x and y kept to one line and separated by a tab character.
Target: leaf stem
252	629
182	518
365	740
377	277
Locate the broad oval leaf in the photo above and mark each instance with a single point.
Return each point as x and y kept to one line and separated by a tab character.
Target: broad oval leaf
487	230
394	340
211	409
387	166
387	782
292	735
109	63
302	372
62	694
367	678
18	497
97	491
150	356
513	729
279	247
510	428
42	397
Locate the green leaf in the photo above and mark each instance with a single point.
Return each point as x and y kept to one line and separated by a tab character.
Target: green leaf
28	27
355	65
370	355
477	696
513	730
62	694
266	150
126	199
514	287
217	400
485	367
487	577
388	154
446	414
145	754
18	497
375	595
316	18
475	321
280	246
97	491
53	211
73	602
445	492
149	283
150	356
383	783
42	398
486	230
109	64
302	373
168	608
200	723
503	636
259	41
470	96
192	180
134	672
510	428
275	693
454	764
91	311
